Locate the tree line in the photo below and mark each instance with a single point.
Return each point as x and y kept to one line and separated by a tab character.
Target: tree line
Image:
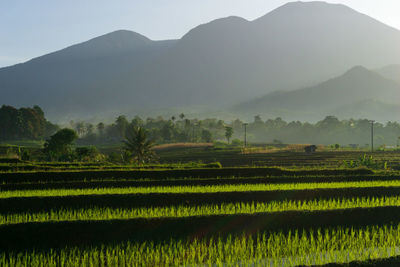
330	130
160	130
30	123
24	123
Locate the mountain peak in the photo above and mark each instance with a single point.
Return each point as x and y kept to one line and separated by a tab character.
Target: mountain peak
121	39
117	42
216	28
298	5
310	3
308	10
123	34
358	70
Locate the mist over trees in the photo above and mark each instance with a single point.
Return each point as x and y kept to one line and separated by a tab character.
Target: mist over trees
328	131
31	124
159	130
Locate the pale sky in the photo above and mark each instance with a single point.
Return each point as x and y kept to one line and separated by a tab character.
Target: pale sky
30	28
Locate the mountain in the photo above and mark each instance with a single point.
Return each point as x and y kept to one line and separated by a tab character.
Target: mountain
391	72
357	93
218	64
83	78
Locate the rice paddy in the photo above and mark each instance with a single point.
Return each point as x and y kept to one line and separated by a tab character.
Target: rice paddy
253	221
294	248
197	189
191	211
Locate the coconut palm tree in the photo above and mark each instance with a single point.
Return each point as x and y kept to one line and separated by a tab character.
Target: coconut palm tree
138	145
228	132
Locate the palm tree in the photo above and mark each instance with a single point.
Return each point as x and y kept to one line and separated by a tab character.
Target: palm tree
228	132
138	145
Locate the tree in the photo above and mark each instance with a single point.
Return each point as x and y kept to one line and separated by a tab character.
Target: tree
228	133
59	146
137	122
206	136
167	132
100	127
80	128
182	116
122	124
89	128
257	119
23	123
138	145
88	153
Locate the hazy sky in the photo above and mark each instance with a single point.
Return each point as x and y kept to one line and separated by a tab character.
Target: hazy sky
30	28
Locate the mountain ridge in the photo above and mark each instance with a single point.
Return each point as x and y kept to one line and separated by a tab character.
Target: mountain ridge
355	87
219	63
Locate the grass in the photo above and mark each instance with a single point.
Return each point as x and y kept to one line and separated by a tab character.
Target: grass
294	248
98	213
196	189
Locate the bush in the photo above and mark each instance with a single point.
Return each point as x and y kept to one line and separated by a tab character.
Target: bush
89	153
213	165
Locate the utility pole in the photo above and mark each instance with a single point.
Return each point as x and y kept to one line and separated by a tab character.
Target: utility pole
245	134
193	137
372	135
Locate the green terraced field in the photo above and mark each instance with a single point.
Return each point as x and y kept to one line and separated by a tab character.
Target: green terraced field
252	221
294	248
197	189
207	210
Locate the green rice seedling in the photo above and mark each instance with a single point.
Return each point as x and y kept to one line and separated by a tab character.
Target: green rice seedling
203	210
307	247
197	189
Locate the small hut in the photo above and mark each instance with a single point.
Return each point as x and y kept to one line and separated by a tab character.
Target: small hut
310	149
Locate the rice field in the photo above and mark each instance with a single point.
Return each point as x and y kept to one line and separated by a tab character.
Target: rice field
197	189
294	248
192	211
222	222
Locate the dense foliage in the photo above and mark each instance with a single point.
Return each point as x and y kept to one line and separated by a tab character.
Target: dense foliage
59	146
137	146
30	124
329	131
24	123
